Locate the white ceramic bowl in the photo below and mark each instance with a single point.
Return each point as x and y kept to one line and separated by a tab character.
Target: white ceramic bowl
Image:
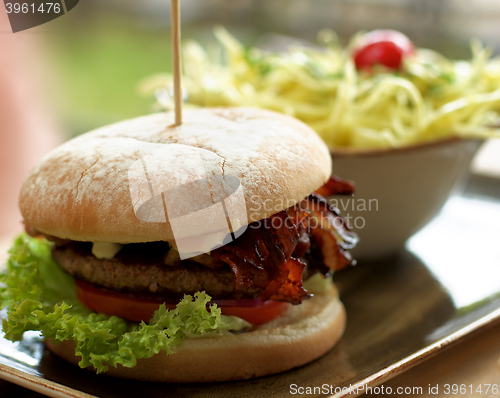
399	190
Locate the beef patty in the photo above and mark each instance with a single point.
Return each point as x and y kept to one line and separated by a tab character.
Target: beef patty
138	269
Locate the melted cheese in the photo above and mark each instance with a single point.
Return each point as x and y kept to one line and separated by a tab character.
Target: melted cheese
105	250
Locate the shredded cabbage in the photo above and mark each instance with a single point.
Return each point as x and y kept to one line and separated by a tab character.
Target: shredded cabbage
41	296
432	98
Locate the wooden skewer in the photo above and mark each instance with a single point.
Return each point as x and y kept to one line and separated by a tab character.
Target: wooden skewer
175	16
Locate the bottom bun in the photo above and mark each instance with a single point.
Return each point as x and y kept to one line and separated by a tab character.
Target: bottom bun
298	336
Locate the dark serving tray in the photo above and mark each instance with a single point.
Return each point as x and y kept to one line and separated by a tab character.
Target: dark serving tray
401	311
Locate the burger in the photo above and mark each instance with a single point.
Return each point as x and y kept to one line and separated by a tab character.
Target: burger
193	253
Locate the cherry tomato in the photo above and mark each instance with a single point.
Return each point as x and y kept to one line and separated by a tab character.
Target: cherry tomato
140	309
383	47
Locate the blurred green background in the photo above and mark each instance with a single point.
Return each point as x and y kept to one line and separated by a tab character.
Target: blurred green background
99	62
100	51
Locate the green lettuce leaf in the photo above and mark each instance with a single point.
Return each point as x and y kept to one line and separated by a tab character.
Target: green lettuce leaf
40	296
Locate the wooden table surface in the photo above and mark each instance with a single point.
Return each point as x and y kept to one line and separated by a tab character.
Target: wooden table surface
471	363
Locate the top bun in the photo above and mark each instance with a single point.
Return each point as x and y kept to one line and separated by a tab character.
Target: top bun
83	190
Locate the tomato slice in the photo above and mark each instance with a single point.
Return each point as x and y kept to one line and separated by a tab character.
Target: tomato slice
262	313
138	309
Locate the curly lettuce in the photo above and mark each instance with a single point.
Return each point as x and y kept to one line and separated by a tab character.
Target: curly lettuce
40	296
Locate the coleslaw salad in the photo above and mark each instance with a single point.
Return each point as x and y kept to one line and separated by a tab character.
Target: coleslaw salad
429	98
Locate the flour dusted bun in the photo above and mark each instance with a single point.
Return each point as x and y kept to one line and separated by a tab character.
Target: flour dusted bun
301	334
80	191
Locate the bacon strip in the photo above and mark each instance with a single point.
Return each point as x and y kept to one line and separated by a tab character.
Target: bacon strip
262	257
293	285
335	222
336	186
268	254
